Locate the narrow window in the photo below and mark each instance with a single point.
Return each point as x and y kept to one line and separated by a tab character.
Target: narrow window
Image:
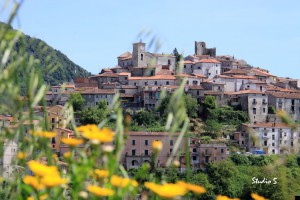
142	56
133	142
133	152
146	142
146	152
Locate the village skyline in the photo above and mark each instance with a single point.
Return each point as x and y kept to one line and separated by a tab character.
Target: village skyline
92	34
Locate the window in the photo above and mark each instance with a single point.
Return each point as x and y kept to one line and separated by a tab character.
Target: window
254	111
167	83
132	163
292	143
273	137
169	62
184	66
171	150
273	129
194	157
199	67
133	142
284	134
216	71
264	110
146	152
198	93
273	151
155	82
171	142
273	144
146	142
222	150
194	150
266	143
142	56
133	152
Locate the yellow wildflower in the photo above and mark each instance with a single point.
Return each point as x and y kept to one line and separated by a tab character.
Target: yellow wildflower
122	182
34	182
219	197
168	191
193	188
72	141
42	170
96	135
52	181
102	173
257	197
103	192
22	155
1	179
157	145
67	154
43	197
30	198
46	134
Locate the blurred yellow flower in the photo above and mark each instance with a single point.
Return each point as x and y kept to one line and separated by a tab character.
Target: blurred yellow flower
257	197
96	135
34	182
157	145
219	197
193	188
1	179
30	198
41	169
22	155
46	134
103	192
67	154
122	182
43	197
72	141
53	181
101	173
168	191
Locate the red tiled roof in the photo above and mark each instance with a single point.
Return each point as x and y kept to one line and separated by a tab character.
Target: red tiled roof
247	92
260	72
208	61
237	71
125	55
195	87
188	62
157	77
165	72
285	95
124	74
243	77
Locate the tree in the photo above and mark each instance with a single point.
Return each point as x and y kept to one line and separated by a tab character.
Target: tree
191	106
210	102
76	100
144	117
213	127
94	115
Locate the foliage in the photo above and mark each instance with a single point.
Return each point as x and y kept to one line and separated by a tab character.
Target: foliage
213	128
271	109
190	104
76	100
55	67
94	115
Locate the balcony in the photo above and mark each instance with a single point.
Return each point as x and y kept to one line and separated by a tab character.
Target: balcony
254	102
265	102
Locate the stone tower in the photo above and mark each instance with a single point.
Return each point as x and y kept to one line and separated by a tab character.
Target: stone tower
139	54
200	48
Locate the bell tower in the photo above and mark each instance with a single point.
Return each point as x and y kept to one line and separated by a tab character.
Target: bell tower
139	54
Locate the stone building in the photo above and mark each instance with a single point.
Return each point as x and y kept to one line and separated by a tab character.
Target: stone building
93	95
141	58
200	49
211	153
289	102
253	101
138	149
272	138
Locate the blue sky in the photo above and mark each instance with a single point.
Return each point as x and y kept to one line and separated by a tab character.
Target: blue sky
265	33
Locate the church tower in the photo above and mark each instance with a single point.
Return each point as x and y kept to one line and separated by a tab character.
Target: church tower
139	54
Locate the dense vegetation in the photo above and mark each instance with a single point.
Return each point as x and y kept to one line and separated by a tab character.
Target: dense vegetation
235	177
56	67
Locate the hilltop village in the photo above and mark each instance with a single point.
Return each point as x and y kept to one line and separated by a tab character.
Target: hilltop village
140	77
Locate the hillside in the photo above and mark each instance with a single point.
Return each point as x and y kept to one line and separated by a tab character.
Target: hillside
48	56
